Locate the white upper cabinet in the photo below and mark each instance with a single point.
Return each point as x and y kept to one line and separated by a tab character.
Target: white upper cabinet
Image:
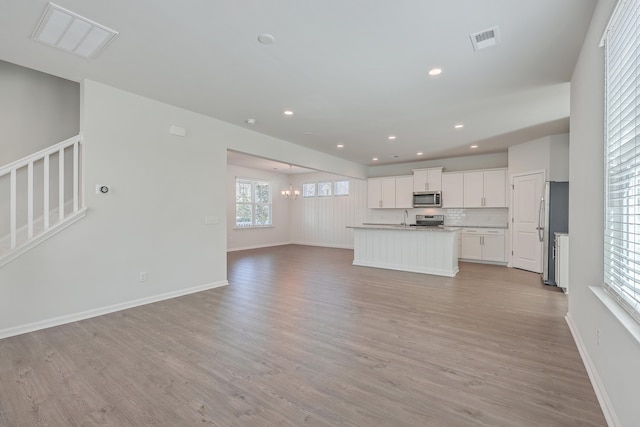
374	191
495	188
427	179
404	192
452	190
473	189
390	192
485	189
480	189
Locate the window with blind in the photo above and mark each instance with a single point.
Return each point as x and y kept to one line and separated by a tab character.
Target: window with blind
253	203
622	157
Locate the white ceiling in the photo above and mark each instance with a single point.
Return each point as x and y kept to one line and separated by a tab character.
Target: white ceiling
241	159
353	71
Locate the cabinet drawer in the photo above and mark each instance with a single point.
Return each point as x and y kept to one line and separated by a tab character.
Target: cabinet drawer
485	231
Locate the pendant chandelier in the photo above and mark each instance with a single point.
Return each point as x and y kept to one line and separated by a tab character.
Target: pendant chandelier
290	193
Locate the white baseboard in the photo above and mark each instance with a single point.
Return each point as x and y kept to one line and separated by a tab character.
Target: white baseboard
268	245
56	321
323	245
480	261
596	382
244	248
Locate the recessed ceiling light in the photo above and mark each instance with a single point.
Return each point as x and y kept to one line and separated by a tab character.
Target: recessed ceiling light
392	137
340	145
458	126
68	31
474	146
420	154
266	38
251	121
308	133
375	159
288	113
435	71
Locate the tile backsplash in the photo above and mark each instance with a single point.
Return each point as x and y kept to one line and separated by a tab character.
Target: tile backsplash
487	217
498	217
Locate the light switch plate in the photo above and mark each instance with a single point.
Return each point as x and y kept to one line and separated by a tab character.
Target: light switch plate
211	219
177	130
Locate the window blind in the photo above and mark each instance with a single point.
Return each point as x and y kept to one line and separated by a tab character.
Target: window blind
622	157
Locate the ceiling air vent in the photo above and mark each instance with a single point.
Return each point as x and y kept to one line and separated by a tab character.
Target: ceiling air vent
72	33
485	39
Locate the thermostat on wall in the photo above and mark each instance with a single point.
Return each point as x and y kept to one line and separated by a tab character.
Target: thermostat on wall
103	189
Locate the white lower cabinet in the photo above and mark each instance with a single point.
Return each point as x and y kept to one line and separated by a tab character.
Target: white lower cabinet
562	261
482	244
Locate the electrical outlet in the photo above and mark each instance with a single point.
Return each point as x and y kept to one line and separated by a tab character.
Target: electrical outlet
143	276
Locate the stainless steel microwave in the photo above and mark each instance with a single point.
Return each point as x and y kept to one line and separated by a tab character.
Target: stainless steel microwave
427	199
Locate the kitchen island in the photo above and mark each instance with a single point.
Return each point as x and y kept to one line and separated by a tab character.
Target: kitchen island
428	250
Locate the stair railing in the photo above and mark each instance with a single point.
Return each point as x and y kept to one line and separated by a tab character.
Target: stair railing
15	243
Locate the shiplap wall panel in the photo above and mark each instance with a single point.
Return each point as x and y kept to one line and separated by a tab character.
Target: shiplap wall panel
323	221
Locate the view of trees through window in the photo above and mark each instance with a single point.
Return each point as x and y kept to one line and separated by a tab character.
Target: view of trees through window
324	188
309	189
253	203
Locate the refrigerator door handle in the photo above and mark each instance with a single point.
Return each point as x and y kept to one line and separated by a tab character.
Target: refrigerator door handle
540	226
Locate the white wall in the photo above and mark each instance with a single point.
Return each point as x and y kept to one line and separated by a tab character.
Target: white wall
323	221
614	361
529	156
37	111
453	164
559	157
264	146
163	187
279	233
550	153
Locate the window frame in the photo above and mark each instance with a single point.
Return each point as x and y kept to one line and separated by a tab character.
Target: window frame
335	193
254	204
330	183
622	170
315	190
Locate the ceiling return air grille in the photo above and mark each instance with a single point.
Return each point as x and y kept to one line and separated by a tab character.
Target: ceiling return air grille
72	33
485	39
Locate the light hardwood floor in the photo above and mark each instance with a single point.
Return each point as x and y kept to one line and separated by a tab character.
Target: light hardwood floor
302	337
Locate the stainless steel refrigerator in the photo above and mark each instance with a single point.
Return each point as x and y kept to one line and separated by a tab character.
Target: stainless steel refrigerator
553	217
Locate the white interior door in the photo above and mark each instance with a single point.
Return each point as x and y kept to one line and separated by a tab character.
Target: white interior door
527	248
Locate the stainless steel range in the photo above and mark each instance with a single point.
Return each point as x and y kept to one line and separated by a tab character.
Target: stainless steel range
429	221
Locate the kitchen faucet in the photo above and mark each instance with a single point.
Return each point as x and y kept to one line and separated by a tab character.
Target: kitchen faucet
406	217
